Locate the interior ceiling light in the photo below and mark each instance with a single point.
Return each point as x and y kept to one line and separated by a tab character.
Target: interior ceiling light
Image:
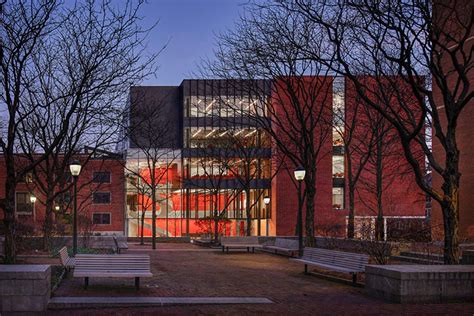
197	132
210	133
238	132
210	104
251	133
223	133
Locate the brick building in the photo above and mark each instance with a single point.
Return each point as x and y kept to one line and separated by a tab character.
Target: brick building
203	116
100	199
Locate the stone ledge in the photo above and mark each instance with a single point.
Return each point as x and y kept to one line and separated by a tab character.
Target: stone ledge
24	271
24	288
420	283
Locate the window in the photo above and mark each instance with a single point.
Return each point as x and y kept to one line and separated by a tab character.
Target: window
101	197
101	218
23	203
101	177
338	198
338	166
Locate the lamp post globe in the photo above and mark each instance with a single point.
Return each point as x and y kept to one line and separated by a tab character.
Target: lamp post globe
32	199
75	168
266	200
299	173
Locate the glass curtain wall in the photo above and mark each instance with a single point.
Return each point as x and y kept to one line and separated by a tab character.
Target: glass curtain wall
222	156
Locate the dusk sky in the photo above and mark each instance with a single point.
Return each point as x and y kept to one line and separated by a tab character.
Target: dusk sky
189	25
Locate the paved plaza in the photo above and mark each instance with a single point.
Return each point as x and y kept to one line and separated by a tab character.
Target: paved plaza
185	270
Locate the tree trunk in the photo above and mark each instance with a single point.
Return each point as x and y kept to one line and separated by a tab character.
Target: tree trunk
48	222
350	220
379	227
216	227
249	213
153	216
450	209
9	213
142	233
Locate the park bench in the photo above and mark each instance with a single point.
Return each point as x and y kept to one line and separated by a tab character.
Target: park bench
240	243
119	245
340	261
113	266
283	245
66	261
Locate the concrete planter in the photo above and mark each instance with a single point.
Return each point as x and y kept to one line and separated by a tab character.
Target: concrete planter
420	283
24	288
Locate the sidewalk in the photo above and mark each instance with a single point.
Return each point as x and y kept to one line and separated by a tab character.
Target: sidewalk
181	270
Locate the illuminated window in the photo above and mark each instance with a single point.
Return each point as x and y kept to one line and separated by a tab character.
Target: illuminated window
338	166
338	198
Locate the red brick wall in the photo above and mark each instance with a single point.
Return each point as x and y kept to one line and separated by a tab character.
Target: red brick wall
84	202
464	136
401	198
284	193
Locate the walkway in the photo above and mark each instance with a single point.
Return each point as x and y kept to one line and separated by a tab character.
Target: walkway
194	273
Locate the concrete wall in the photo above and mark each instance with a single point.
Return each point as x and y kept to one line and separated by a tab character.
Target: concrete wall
24	288
420	283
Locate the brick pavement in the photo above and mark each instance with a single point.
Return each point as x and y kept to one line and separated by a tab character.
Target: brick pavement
212	273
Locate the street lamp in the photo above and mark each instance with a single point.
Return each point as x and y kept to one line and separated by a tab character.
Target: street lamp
32	199
75	168
57	208
266	200
299	176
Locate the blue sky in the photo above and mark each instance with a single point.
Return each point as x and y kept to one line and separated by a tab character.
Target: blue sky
189	25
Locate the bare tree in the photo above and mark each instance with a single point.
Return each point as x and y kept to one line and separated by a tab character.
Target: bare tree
143	202
152	154
351	131
62	66
401	46
214	171
293	111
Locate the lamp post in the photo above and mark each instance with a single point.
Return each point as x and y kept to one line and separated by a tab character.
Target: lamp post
299	176
266	200
75	168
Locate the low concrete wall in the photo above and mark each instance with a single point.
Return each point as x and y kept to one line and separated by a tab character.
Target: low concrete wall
420	283
24	288
467	257
58	242
183	239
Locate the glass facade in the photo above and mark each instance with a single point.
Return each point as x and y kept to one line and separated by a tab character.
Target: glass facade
222	170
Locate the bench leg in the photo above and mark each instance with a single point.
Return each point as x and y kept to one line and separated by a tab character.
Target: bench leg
248	249
253	249
86	283
354	278
137	283
223	248
305	269
227	249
